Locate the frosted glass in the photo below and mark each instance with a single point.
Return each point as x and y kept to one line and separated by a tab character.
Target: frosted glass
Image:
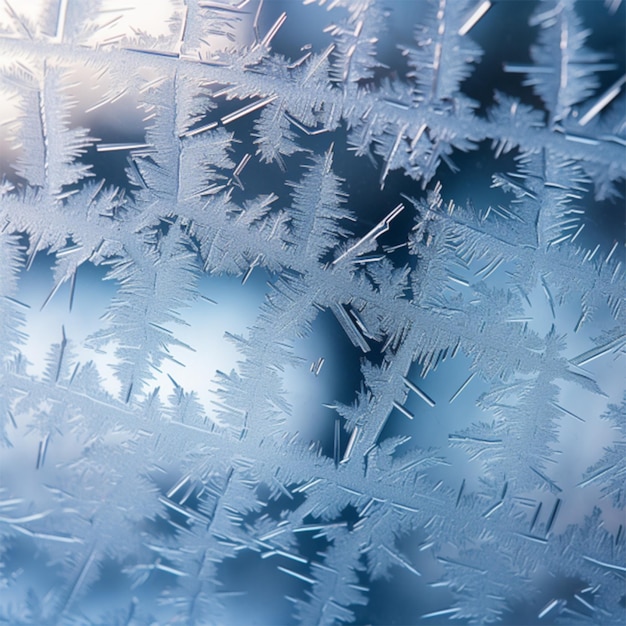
312	313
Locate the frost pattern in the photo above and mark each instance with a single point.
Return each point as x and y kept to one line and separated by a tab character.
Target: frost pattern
233	167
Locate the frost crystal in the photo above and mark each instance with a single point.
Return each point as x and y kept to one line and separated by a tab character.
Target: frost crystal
312	313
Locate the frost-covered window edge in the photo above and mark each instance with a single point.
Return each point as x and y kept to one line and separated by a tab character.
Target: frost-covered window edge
359	158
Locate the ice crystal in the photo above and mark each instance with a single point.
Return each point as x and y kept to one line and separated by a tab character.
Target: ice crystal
415	211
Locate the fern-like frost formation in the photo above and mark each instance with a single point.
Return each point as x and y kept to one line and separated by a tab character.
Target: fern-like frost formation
419	208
